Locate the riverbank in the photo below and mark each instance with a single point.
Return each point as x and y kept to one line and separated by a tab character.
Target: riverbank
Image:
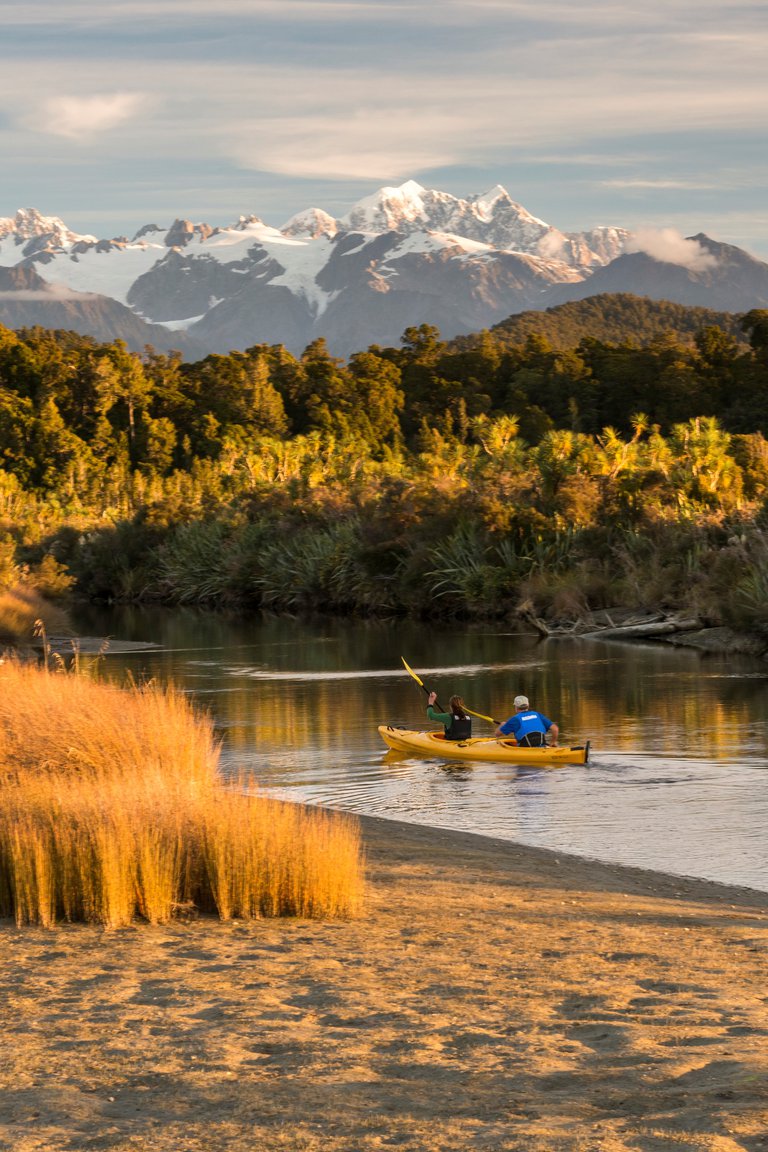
490	997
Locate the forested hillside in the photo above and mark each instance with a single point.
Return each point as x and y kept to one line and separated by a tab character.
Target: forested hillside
615	318
426	478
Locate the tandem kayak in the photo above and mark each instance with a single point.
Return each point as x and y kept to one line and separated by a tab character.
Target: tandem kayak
479	748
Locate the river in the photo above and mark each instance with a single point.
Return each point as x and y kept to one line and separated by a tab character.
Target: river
677	779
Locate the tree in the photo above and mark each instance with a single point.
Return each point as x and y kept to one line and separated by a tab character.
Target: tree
422	344
378	398
125	388
55	447
16	430
755	324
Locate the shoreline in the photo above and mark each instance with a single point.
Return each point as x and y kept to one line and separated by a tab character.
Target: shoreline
491	996
638	878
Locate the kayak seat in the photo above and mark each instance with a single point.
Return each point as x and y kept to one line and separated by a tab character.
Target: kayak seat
532	740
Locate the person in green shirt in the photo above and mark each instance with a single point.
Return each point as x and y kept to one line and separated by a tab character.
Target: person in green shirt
458	725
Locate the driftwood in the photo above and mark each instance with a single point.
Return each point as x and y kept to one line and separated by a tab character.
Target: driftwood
656	628
659	624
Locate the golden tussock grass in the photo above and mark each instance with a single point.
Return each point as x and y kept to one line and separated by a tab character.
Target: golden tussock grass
21	608
112	807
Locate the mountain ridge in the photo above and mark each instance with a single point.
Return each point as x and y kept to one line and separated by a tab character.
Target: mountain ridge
400	257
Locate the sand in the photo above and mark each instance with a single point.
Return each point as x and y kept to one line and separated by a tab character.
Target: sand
491	997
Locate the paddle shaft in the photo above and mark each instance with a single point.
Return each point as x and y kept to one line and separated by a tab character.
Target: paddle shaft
421	684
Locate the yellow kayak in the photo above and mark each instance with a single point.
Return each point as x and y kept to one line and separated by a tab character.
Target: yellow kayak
479	748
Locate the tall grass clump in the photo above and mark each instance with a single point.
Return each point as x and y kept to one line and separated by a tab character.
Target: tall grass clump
307	860
112	807
21	607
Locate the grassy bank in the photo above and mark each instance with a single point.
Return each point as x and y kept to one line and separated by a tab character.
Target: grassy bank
112	807
23	611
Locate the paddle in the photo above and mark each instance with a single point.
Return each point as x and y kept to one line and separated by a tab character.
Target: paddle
480	716
420	682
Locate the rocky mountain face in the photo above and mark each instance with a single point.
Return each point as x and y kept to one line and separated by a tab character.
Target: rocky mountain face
731	281
404	256
29	301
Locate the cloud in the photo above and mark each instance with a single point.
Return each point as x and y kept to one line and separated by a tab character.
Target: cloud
372	145
666	185
550	245
670	247
53	12
597	13
290	99
83	117
54	294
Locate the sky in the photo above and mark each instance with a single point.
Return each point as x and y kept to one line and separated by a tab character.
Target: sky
119	113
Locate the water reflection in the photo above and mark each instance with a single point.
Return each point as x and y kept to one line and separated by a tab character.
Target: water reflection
677	781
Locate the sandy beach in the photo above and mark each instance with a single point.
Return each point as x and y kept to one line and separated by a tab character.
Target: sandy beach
490	997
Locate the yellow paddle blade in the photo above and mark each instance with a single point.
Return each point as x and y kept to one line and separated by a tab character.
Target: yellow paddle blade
411	671
480	716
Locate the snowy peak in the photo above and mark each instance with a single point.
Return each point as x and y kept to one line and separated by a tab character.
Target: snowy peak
485	203
29	232
311	223
491	218
246	223
389	210
29	224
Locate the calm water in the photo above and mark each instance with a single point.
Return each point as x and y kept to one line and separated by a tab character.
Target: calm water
678	778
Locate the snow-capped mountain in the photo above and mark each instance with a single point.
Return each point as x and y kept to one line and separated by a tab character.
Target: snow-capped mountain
28	232
403	256
493	218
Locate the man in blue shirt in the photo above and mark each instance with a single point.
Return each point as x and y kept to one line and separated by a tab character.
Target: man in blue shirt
528	726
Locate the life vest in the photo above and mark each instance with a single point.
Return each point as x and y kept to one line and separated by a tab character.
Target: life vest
531	730
460	728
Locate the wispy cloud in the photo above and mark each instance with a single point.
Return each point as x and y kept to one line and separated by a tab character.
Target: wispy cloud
655	13
83	117
667	184
669	246
334	147
40	12
629	109
54	294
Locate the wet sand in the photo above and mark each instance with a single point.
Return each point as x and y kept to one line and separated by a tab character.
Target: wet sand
491	997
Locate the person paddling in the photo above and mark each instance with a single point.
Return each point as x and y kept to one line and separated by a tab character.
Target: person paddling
458	725
528	727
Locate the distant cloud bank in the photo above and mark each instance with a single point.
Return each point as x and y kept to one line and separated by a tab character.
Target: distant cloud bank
669	246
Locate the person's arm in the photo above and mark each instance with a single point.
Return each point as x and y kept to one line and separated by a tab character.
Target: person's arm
438	717
506	730
432	714
555	731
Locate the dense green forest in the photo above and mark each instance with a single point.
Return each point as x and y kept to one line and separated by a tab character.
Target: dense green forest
443	478
613	318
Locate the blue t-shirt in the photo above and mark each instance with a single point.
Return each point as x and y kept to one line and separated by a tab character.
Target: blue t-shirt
522	723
